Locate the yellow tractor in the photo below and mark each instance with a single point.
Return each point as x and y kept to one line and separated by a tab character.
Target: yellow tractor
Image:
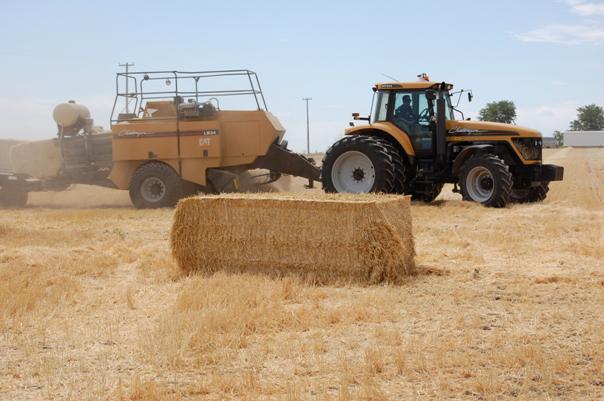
413	145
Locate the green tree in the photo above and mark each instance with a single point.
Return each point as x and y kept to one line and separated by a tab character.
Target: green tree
559	137
503	111
589	118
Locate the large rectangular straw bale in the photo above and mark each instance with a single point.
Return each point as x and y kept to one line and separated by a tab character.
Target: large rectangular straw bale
37	158
322	238
5	146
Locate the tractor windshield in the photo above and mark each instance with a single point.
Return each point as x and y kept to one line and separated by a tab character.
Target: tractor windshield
415	103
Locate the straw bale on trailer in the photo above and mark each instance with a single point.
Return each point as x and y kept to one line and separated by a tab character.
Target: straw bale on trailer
5	146
323	238
37	158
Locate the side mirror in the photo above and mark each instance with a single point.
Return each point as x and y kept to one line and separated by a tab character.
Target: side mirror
357	116
470	96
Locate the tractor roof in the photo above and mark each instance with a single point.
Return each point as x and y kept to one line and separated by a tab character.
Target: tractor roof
410	85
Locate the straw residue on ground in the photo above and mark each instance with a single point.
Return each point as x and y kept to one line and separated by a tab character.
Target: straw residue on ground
507	304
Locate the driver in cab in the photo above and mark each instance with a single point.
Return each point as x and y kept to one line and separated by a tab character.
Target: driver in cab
405	111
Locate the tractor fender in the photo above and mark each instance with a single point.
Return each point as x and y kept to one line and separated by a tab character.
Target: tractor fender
466	153
386	130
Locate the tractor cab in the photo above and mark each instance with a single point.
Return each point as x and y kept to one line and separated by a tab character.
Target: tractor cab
411	107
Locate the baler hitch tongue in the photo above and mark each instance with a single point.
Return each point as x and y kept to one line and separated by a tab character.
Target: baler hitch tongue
282	160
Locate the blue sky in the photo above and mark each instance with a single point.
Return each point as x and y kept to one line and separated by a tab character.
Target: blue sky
547	56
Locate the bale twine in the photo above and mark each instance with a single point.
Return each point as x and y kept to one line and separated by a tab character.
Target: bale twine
322	238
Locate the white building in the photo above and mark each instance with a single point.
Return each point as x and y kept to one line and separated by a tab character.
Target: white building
584	138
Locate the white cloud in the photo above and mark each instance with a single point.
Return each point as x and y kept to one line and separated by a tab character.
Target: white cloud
547	118
586	8
588	32
565	34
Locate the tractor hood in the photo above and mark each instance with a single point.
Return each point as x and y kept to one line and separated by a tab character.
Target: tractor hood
455	127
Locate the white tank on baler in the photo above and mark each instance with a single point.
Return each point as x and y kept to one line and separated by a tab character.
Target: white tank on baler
69	114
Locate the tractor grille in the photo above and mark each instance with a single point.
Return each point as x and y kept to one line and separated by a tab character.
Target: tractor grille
530	148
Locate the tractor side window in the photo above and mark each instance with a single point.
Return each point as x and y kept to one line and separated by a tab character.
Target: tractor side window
380	113
413	115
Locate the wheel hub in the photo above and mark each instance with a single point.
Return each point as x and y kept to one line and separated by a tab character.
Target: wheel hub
153	189
486	183
353	172
358	174
480	184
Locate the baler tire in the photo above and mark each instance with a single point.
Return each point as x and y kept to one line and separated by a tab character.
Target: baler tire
372	150
13	198
161	175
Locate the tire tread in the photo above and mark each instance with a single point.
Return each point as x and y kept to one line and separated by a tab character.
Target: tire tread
501	174
172	181
384	184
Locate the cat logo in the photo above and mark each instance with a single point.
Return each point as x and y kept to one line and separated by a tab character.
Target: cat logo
205	142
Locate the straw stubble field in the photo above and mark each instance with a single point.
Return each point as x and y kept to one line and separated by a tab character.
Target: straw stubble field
506	304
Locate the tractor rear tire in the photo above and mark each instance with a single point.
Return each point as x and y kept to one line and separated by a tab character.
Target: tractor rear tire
13	198
530	195
485	178
358	164
154	185
400	179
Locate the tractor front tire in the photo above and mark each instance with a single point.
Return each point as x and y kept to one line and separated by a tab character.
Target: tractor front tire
358	164
154	185
486	179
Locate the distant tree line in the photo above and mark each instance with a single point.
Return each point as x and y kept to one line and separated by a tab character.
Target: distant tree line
503	111
589	118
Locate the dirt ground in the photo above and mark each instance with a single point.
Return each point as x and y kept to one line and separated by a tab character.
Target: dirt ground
508	304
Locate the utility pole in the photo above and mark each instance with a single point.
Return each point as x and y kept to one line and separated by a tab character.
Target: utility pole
306	99
127	65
